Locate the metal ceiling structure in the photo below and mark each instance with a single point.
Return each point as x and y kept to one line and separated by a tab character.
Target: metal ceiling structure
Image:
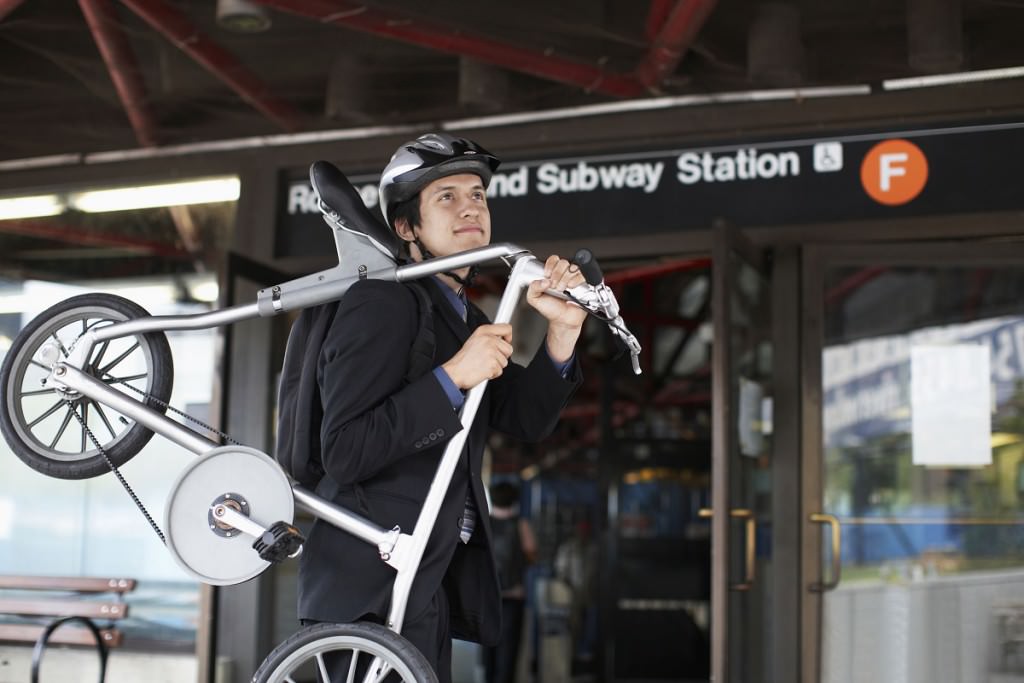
107	76
104	74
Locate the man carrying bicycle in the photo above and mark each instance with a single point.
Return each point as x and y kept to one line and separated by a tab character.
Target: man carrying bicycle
383	433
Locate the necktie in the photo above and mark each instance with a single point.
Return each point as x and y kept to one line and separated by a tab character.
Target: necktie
468	520
469	510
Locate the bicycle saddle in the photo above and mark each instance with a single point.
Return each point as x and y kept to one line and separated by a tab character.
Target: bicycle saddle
336	192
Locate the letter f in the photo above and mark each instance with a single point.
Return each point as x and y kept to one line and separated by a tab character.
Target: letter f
888	168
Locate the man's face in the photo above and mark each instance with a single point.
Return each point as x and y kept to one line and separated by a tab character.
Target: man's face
454	215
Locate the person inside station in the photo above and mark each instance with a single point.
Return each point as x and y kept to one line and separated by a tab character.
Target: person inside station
515	550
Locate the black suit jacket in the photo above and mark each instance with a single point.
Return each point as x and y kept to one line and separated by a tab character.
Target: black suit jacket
382	439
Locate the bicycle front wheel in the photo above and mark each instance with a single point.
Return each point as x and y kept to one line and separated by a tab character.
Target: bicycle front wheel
335	653
55	432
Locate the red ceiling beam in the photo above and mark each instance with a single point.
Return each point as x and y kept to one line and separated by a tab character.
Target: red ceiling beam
123	67
46	230
433	36
8	6
852	283
179	29
656	15
655	270
673	40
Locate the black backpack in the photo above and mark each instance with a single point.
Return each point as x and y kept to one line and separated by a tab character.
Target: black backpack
507	545
298	400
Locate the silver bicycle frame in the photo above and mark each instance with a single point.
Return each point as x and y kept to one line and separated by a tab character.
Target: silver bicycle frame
400	550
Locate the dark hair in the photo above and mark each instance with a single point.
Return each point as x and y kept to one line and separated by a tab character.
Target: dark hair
410	211
504	494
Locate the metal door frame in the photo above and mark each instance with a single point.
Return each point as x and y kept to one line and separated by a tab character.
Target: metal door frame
784	263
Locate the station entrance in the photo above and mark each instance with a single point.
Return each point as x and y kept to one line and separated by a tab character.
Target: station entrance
822	459
630	481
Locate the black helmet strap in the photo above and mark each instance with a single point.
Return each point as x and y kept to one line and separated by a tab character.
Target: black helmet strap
425	253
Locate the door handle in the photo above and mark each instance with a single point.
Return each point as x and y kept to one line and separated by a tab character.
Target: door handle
837	546
749	545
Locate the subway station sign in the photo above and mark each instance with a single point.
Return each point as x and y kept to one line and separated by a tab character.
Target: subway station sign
863	176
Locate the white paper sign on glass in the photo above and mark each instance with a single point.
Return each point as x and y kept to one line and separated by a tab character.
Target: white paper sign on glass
750	418
951	405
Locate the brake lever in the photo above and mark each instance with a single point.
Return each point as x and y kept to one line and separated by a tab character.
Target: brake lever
597	299
600	299
618	328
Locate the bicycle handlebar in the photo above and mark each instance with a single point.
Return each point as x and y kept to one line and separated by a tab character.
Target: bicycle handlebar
584	258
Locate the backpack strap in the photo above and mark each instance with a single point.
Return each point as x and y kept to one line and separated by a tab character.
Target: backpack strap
421	355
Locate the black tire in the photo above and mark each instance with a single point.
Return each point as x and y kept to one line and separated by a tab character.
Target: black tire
296	659
36	421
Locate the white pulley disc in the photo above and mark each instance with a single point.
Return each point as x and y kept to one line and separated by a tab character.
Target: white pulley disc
212	554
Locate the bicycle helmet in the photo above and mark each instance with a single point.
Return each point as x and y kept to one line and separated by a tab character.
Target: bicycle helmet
419	162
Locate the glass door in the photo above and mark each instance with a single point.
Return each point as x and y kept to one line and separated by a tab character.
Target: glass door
741	475
914	463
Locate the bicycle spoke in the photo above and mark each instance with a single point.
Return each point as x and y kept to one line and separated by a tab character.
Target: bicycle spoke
53	409
85	421
63	426
59	343
377	672
110	379
99	353
322	666
38	364
36	392
104	370
103	416
289	679
352	667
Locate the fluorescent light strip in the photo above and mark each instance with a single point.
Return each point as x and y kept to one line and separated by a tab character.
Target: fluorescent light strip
151	196
282	140
952	79
657	103
41	162
30	207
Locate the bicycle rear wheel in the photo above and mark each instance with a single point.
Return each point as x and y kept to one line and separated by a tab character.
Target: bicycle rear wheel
336	653
50	429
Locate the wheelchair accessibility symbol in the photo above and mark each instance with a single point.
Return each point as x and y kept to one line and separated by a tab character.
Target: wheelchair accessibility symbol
828	157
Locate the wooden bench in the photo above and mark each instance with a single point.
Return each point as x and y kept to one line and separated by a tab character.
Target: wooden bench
44	604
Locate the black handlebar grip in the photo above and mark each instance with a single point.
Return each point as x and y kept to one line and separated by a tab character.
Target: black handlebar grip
584	258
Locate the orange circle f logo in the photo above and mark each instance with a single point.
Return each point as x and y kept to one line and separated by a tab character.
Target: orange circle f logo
894	172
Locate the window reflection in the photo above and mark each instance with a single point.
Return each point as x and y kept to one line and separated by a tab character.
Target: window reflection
91	527
923	436
900	507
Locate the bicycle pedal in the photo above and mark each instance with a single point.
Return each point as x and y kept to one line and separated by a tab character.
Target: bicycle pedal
279	542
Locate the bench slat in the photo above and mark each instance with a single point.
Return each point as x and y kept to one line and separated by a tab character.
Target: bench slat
65	635
80	584
64	608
